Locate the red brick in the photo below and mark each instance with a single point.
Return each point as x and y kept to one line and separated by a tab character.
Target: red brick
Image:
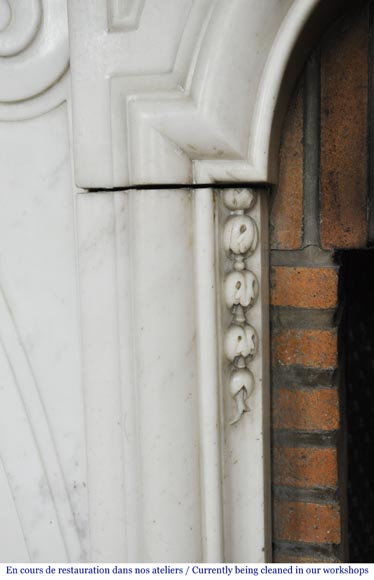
304	287
312	410
307	522
306	347
344	82
287	209
304	467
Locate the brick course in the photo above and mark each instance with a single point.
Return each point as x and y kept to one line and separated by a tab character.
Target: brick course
307	522
305	467
306	347
304	287
307	410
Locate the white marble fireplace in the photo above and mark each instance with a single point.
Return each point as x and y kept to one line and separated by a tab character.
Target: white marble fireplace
137	140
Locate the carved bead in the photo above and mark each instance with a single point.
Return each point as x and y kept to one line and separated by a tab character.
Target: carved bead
241	288
240	235
239	199
240	340
242	385
241	379
238	314
239	264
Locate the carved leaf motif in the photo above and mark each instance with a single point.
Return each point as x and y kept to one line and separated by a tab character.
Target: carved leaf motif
239	199
241	288
240	235
240	341
241	387
241	379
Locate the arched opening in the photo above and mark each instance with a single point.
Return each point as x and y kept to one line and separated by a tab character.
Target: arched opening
321	211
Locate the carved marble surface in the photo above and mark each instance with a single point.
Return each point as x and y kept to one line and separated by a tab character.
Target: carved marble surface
242	256
139	375
42	440
109	397
133	324
124	15
240	241
43	478
98	390
34	50
183	91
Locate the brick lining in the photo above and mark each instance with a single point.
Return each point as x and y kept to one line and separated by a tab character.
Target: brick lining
308	488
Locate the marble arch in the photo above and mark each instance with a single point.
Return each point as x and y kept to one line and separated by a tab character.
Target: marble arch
216	89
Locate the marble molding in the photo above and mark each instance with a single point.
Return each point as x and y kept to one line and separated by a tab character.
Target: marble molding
241	289
134	423
181	93
34	55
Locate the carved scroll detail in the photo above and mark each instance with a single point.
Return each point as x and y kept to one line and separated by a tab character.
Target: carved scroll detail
34	52
19	23
241	288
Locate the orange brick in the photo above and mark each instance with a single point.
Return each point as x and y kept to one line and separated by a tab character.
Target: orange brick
307	467
307	522
306	347
313	410
287	209
304	287
344	82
